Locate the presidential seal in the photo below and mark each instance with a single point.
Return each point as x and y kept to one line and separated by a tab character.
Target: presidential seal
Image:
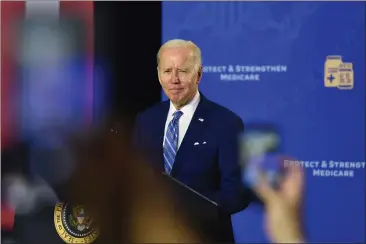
73	224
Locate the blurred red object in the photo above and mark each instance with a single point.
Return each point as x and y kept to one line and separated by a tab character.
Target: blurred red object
7	217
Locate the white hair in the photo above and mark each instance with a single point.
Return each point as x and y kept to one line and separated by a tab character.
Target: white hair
176	43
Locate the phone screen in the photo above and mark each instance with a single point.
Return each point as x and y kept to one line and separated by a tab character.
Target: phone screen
259	150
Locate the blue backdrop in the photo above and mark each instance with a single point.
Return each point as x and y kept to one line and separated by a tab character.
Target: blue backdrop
271	62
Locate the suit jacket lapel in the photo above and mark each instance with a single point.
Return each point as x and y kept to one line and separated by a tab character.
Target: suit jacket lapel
161	117
195	127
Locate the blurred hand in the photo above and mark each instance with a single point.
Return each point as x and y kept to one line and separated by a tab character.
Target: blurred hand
283	206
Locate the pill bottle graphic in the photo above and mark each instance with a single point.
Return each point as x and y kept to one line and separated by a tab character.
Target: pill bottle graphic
345	76
331	67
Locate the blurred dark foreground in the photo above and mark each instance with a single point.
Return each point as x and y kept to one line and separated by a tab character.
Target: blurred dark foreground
128	199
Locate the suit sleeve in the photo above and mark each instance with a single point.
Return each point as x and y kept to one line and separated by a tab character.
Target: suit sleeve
232	196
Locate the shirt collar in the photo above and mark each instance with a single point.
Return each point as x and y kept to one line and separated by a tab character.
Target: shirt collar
187	109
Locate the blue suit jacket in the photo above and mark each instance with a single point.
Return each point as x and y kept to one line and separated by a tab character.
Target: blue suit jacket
211	168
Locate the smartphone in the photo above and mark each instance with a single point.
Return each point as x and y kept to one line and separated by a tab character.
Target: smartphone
260	147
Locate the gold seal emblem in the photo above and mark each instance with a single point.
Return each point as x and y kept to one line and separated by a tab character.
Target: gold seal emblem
74	225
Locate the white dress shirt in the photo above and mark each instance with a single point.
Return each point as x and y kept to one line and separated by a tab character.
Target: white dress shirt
184	121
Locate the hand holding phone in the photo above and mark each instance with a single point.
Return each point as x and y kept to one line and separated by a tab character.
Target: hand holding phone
283	222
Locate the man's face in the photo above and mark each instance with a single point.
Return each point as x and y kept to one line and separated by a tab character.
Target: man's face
178	75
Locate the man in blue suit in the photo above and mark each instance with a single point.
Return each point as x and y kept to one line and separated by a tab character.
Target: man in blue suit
190	137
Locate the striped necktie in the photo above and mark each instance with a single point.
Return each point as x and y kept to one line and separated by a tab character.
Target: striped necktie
171	142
